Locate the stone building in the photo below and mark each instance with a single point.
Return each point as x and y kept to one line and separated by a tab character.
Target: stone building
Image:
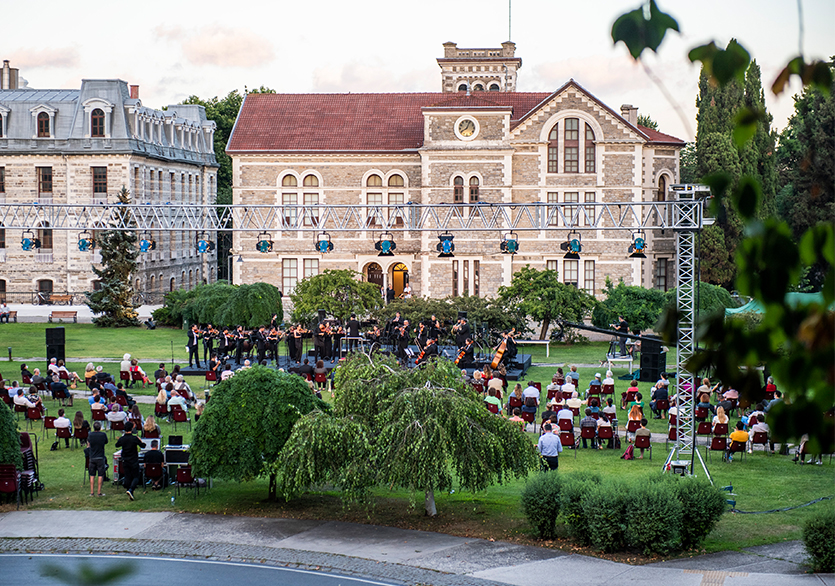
477	142
80	146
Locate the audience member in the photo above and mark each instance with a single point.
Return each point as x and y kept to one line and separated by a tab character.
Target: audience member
116	415
643	432
62	422
530	398
491	399
176	399
589	421
634	415
659	393
129	462
154	456
549	447
740	436
98	461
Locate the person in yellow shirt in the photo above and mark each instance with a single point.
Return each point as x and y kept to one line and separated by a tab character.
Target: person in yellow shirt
738	435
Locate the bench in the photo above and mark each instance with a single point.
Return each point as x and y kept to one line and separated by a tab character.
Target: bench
546	342
13	316
60	299
61	315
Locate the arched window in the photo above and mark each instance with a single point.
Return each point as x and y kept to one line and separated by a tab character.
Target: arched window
289	181
2	237
590	155
396	181
45	236
374	181
43	125
191	279
97	123
462	87
151	283
289	200
311	181
661	195
478	88
473	189
311	199
137	285
572	145
374	198
172	284
494	87
458	190
553	148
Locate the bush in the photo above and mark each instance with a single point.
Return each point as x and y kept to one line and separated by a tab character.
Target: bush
541	503
571	504
605	509
702	506
9	438
654	517
819	538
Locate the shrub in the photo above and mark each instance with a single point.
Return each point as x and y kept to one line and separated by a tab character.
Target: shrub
541	503
653	517
702	506
9	438
605	510
819	538
571	505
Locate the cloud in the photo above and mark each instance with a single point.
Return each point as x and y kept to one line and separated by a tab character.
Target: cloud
220	46
65	57
358	76
597	73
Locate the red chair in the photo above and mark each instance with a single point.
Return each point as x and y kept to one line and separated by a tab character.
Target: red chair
27	380
62	433
700	413
737	448
34	414
568	441
551	394
642	441
673	420
538	386
160	410
761	438
720	429
116	426
7	400
10	481
672	435
630	396
124	375
492	408
80	435
98	415
48	423
605	432
565	395
184	478
717	444
607	390
514	402
529	417
19	409
120	399
575	411
566	425
211	376
752	421
179	416
478	387
321	379
153	472
705	428
150	434
662	406
588	433
594	390
560	381
633	426
137	376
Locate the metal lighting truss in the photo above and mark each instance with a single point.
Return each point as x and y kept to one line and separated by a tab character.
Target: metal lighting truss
684	214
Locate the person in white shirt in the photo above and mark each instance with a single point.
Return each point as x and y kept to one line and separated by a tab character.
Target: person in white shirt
227	372
176	399
609	380
21	399
124	365
62	422
52	369
553	386
565	413
569	387
116	414
182	387
4	312
530	399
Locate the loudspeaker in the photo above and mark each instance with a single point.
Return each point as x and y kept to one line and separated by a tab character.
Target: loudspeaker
54	336
321	313
652	365
462	315
55	351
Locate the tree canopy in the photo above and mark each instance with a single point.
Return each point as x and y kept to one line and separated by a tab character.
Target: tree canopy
113	302
640	307
247	422
416	429
222	304
339	292
541	296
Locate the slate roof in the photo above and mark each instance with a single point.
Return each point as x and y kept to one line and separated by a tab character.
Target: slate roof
26	95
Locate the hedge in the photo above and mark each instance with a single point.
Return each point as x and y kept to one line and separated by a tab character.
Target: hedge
819	538
541	503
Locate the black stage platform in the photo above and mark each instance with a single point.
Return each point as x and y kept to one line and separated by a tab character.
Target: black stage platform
516	372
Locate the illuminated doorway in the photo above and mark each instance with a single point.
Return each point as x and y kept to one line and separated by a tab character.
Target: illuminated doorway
399	278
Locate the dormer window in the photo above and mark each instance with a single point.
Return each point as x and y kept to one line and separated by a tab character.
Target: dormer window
494	87
462	87
43	125
97	123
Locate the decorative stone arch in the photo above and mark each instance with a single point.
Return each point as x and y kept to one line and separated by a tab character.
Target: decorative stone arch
665	176
397	272
374	273
49	111
307	172
100	104
387	179
563	114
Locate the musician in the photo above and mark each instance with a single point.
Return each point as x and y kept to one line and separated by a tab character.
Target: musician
321	332
273	336
194	345
210	334
462	332
428	352
374	336
510	350
421	335
274	322
260	338
290	340
298	343
240	338
466	354
338	334
435	329
328	345
623	328
353	327
390	295
394	324
404	338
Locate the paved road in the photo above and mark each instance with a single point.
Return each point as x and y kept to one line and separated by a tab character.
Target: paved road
25	569
384	554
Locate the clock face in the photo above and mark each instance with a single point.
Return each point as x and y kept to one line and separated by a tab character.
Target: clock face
466	128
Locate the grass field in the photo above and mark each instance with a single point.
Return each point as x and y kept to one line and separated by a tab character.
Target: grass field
761	482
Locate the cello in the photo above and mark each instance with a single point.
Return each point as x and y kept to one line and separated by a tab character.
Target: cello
497	359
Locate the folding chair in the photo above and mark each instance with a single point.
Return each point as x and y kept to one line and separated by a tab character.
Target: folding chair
565	424
34	414
633	426
761	438
137	376
62	433
492	408
588	433
160	411
120	399
321	379
48	423
98	415
514	402
737	448
717	444
152	472
720	429
179	416
79	436
700	413
211	377
607	390
662	406
705	428
116	426
124	376
672	435
10	481
605	432
568	441
184	478
642	441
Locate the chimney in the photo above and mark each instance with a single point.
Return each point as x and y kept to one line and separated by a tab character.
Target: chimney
630	113
134	92
8	77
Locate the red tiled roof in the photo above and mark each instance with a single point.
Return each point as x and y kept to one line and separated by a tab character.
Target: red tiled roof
660	138
348	122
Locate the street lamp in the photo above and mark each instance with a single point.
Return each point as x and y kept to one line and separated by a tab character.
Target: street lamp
229	265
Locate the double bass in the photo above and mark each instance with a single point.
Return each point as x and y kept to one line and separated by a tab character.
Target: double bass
497	359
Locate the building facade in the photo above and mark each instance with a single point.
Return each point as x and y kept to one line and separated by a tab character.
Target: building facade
81	146
477	142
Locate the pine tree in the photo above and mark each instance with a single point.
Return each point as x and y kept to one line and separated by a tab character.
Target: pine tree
114	301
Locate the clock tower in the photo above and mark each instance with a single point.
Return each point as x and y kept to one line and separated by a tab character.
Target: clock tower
487	70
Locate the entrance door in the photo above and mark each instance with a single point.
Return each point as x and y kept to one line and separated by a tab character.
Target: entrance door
44	291
374	274
399	278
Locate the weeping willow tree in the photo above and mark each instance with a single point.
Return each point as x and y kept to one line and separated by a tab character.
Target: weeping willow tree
417	429
251	305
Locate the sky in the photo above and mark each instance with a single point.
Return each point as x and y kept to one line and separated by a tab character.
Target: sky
179	48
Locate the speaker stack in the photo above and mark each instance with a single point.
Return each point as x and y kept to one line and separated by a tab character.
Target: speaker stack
55	344
653	360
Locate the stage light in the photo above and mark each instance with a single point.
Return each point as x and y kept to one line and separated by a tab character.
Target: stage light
86	242
572	246
146	243
386	245
323	243
510	243
264	244
29	242
639	245
204	245
445	246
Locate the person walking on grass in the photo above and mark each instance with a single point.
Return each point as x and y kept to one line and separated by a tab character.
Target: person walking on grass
98	462
130	445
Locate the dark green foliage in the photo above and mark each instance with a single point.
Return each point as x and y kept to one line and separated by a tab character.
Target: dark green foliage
251	305
687	164
481	311
9	438
571	504
647	122
654	517
640	307
541	503
221	304
417	309
339	292
247	422
712	298
541	296
605	507
639	30
819	539
114	301
702	505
